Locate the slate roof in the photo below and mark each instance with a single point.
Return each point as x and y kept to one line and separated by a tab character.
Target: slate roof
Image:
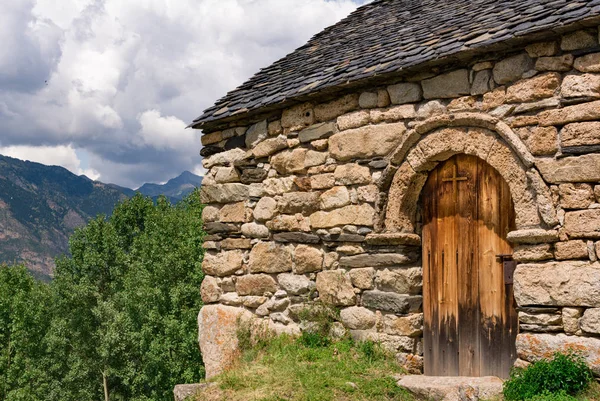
389	36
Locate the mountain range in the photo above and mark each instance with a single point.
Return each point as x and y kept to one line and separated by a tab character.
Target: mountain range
41	206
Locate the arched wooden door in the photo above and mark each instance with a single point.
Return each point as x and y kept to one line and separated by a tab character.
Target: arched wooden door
470	318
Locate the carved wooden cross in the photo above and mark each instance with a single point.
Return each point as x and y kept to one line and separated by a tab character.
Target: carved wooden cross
455	180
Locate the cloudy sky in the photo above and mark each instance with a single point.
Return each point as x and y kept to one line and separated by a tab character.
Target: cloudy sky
106	87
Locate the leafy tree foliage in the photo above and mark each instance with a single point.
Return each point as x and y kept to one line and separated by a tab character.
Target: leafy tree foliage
120	315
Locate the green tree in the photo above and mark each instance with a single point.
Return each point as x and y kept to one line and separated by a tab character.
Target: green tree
24	318
125	304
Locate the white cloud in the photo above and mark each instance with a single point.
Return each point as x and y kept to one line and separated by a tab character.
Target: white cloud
125	77
64	156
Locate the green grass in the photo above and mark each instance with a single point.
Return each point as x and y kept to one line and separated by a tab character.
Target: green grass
310	369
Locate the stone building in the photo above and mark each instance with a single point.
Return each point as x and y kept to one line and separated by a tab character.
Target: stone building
399	166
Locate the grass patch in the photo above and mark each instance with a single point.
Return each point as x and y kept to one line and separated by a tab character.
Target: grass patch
311	368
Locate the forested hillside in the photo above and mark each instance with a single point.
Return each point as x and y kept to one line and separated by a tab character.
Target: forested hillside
40	207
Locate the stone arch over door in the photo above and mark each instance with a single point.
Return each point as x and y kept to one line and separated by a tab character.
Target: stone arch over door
439	138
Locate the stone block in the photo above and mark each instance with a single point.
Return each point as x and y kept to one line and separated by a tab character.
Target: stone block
270	146
233	213
352	174
533	253
532	89
224	158
393	114
353	120
585	85
224	193
576	196
287	222
559	63
270	257
255	284
570	318
217	328
274	128
449	85
533	347
368	100
253	230
541	141
588	63
391	302
334	198
211	138
226	174
329	111
210	291
482	82
335	288
317	131
210	214
295	284
297	237
256	133
406	92
585	168
298	117
580	134
322	181
314	158
289	161
357	318
366	142
542	49
359	215
298	202
542	319
512	69
577	113
367	193
494	99
362	277
265	209
590	322
376	260
532	236
278	186
223	263
576	249
183	392
570	283
236	243
307	259
578	40
583	223
402	280
411	325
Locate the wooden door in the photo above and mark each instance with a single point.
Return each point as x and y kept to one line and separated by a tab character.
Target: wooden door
470	323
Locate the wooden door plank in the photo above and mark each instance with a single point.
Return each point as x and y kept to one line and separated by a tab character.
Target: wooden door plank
447	285
468	280
430	327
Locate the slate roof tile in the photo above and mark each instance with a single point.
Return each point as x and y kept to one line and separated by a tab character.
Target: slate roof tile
391	35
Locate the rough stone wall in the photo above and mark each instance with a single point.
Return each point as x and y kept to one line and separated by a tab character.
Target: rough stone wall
321	201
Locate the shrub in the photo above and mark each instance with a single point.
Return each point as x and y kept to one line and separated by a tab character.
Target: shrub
565	374
314	339
546	396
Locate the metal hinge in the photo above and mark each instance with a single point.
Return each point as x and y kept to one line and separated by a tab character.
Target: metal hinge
509	265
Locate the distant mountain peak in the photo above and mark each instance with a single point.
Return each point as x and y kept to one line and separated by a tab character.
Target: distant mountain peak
41	205
175	189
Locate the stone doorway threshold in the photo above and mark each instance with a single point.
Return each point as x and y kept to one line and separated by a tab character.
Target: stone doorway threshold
442	388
